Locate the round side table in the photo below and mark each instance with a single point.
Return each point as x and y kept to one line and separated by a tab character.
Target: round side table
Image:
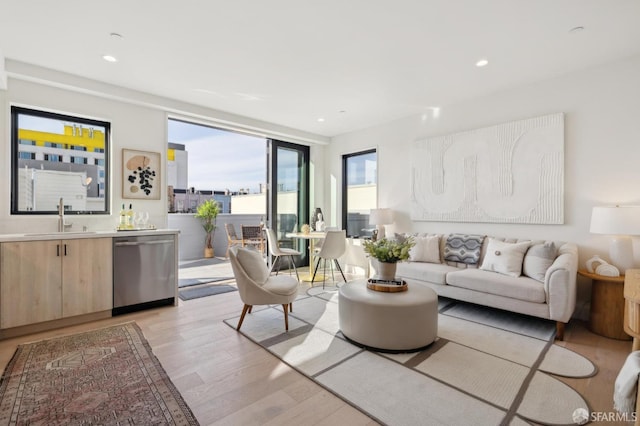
607	305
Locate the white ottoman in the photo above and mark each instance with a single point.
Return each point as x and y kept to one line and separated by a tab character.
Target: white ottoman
395	322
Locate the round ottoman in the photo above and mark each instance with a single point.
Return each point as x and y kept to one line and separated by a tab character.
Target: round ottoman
395	322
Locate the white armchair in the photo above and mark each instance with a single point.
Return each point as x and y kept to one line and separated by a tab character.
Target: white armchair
257	287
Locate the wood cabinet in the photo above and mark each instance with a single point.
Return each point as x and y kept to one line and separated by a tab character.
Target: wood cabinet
87	271
52	279
30	283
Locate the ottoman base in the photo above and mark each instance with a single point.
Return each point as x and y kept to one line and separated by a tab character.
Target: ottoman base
393	322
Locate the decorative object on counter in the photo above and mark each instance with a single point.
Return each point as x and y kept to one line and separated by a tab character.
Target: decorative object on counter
380	218
141	174
388	252
80	360
305	229
594	262
620	222
208	212
122	224
130	217
607	270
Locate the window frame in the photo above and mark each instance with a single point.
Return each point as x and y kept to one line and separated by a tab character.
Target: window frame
345	184
17	111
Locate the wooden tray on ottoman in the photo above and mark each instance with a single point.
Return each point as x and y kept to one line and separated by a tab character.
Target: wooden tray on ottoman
387	286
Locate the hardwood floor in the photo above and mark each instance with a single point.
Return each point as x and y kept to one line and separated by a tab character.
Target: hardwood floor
228	380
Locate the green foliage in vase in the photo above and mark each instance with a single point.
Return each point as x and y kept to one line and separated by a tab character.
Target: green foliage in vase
391	251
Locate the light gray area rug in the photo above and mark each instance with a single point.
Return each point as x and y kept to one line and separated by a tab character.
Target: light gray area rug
485	368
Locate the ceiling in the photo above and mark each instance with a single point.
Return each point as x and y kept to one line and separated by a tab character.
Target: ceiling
353	63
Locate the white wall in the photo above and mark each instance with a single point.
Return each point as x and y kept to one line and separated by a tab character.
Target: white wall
602	151
138	121
132	126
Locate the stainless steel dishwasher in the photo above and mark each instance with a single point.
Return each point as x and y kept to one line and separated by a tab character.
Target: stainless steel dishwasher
144	272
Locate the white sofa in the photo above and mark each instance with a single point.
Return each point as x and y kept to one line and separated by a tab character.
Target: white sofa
551	296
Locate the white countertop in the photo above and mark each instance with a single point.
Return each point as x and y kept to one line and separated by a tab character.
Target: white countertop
40	236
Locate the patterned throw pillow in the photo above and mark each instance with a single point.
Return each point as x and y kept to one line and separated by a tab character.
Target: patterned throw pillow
463	248
505	258
538	259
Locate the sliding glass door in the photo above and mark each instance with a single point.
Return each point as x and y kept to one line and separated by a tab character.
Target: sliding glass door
289	193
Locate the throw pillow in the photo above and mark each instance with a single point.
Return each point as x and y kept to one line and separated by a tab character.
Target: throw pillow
253	264
505	258
426	249
463	248
538	259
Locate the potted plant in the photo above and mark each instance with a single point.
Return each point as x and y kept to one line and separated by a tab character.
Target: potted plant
388	252
208	212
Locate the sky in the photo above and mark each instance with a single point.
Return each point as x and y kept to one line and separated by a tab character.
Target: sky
219	159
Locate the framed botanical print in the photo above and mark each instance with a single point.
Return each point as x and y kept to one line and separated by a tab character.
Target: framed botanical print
141	174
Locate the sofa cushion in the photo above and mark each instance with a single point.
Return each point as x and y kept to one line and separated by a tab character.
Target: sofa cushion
426	249
504	258
522	288
435	273
538	259
463	248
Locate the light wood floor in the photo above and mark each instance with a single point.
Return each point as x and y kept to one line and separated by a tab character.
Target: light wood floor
228	380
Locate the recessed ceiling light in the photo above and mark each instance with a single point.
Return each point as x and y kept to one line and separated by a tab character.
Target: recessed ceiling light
576	30
109	58
116	36
320	119
482	63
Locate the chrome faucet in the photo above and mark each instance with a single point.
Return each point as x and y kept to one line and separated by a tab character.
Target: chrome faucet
61	215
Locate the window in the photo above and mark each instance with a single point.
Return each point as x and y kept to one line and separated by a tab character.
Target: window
58	156
359	191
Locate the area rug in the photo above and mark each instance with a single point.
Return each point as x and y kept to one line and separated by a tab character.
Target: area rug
106	376
482	369
195	293
190	282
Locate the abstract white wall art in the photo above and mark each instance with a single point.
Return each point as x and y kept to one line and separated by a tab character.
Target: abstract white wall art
508	173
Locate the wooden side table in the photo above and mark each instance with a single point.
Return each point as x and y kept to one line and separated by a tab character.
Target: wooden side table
632	306
607	306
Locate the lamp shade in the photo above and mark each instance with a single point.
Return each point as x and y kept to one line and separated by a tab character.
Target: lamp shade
380	217
615	220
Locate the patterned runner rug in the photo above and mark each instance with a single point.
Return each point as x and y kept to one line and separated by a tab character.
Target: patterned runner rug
102	377
487	367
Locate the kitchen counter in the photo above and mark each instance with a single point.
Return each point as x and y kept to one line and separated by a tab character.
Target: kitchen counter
66	289
42	236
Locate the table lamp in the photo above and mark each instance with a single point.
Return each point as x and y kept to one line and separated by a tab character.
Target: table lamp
380	218
621	222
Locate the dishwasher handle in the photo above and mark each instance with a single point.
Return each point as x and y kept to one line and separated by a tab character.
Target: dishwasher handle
142	243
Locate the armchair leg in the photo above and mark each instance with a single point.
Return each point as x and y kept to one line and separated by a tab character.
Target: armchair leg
291	307
244	312
559	330
285	308
250	308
